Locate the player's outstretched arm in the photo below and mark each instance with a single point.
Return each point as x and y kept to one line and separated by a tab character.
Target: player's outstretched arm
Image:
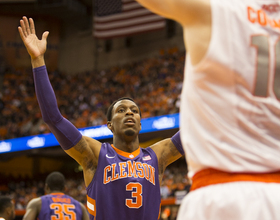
183	11
168	151
32	210
84	150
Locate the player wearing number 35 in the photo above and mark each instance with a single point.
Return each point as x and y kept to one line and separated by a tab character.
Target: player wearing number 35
230	110
55	204
122	179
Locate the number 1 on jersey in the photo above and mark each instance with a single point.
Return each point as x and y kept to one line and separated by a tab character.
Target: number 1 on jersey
261	42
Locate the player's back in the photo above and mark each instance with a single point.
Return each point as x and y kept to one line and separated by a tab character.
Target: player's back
230	113
59	206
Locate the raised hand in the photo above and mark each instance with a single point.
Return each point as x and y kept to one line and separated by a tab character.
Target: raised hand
35	47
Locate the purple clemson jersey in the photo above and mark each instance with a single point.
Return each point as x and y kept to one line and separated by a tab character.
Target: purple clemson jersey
58	206
125	185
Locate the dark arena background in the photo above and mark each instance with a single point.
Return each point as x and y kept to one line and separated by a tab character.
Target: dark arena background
92	61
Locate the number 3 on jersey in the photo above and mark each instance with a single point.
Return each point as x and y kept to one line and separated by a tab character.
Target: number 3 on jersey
265	60
63	211
136	194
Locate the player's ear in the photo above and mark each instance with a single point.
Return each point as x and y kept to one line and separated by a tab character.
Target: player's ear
109	125
47	188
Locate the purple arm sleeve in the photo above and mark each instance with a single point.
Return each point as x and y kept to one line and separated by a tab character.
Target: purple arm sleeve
65	132
177	142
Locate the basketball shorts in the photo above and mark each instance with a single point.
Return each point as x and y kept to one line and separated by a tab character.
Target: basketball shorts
243	200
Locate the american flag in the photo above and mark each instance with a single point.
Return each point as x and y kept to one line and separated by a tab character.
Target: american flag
116	18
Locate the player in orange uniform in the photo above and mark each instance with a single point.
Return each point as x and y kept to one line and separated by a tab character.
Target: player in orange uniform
230	110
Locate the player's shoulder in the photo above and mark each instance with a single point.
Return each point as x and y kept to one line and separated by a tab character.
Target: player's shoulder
35	203
92	142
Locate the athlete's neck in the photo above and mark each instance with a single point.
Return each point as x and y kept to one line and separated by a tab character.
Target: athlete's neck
125	145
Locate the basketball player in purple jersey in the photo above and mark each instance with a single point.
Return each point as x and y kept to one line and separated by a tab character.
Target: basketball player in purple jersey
55	205
122	179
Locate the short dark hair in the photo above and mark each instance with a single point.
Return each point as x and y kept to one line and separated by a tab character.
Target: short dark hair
109	111
56	181
5	202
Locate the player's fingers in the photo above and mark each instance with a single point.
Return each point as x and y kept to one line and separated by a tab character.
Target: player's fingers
26	23
45	35
21	33
23	28
32	26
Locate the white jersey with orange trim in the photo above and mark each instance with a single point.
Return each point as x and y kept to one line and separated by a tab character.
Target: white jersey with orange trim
230	111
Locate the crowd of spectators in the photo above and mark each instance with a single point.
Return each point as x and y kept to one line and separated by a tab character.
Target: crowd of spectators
155	84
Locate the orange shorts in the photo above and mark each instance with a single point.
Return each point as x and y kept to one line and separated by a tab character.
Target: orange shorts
212	176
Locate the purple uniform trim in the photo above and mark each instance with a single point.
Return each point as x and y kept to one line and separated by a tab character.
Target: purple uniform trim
125	188
56	204
65	132
177	142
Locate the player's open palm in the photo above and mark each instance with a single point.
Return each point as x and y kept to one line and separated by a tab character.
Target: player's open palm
34	46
